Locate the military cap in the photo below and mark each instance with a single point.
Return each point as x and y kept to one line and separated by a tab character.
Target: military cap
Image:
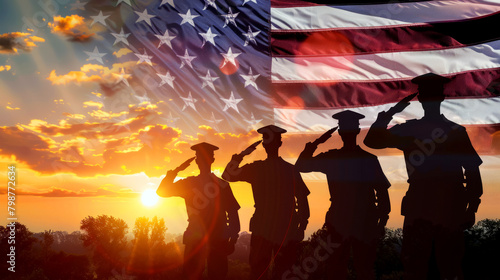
204	148
271	132
429	81
348	120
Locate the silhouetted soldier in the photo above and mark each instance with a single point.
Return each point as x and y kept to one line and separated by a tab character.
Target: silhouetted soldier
360	203
281	207
212	214
440	202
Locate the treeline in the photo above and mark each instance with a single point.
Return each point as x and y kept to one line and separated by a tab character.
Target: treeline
106	249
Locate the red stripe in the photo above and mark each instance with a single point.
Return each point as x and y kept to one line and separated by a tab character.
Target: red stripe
349	42
476	84
373	40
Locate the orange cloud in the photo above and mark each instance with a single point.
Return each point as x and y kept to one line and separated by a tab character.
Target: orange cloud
73	76
90	73
73	27
59	192
5	68
9	107
91	103
11	42
121	52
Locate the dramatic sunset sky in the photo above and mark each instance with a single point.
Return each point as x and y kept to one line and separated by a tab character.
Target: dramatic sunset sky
88	137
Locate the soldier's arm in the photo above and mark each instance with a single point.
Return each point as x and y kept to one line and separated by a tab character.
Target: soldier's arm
232	171
305	162
302	202
474	188
383	206
167	186
378	136
234	223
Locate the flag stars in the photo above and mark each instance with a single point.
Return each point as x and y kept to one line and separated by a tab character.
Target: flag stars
78	5
121	37
253	121
95	55
166	39
170	2
186	59
171	119
231	102
188	18
166	79
230	18
208	37
250	36
208	80
214	121
246	1
250	79
189	102
122	77
229	57
144	16
100	18
124	1
210	3
144	58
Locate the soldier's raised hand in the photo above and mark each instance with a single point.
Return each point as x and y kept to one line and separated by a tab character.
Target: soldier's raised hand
322	139
184	165
401	105
250	149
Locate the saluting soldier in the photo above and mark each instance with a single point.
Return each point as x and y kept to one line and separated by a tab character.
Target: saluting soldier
442	198
212	214
359	198
281	207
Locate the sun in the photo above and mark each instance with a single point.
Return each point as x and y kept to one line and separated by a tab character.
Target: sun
149	198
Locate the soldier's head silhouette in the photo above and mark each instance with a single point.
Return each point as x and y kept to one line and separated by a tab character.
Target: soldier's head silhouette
204	155
271	136
430	87
348	125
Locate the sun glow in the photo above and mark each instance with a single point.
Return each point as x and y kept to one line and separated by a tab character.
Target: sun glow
149	198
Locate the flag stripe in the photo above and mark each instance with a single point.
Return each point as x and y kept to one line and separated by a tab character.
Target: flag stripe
379	15
473	84
385	66
478	111
371	40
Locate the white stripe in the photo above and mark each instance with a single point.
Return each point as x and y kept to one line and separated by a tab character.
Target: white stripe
363	16
385	66
462	111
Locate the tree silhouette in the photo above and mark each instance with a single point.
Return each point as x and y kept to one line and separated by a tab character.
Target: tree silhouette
106	238
150	255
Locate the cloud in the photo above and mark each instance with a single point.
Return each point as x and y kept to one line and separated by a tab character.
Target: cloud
132	121
90	73
121	52
59	192
36	152
73	76
5	68
10	43
91	103
10	107
73	27
74	116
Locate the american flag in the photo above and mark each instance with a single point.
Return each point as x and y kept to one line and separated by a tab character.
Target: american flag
240	64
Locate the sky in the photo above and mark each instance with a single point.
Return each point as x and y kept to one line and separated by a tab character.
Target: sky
87	139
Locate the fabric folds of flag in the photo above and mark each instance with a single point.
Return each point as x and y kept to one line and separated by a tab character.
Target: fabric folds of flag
330	57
